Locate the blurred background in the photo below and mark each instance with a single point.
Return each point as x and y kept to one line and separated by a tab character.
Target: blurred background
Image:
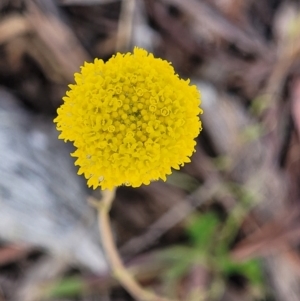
227	225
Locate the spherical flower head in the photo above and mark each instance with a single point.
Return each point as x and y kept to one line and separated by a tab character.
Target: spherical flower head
132	120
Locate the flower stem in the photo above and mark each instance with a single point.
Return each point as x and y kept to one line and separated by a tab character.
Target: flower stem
118	269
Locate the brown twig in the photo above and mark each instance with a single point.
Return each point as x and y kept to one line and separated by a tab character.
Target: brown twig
125	25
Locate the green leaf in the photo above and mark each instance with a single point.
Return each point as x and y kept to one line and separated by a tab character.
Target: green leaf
202	229
67	287
250	269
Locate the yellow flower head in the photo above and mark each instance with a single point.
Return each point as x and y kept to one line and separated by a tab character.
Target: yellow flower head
131	119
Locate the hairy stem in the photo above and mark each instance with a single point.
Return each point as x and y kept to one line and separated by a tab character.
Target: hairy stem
116	264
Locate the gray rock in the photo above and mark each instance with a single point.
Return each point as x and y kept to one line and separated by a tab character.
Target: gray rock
43	202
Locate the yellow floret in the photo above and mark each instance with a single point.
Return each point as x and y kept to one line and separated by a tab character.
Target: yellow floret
131	119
